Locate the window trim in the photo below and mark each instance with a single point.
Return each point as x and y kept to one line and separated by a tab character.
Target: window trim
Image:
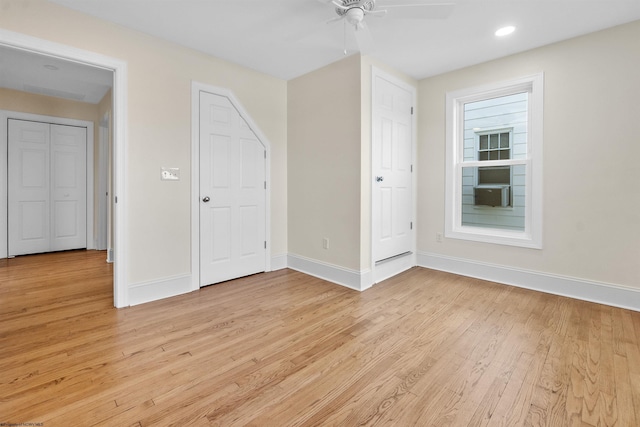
531	237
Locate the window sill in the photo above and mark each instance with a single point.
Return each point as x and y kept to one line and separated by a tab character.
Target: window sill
495	236
497	208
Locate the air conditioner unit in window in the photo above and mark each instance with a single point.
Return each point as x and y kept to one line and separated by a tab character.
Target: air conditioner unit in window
492	195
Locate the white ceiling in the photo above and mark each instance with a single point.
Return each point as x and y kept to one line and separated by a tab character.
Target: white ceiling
45	75
288	38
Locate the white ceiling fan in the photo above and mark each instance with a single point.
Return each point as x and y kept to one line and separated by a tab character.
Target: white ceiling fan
354	12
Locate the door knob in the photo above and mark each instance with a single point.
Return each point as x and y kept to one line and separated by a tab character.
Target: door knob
206	199
379	178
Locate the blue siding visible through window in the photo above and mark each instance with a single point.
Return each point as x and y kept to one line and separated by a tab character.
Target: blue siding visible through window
495	116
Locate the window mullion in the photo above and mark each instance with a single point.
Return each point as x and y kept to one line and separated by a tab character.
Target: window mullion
488	163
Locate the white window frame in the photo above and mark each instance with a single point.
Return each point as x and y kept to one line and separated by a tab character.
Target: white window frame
531	237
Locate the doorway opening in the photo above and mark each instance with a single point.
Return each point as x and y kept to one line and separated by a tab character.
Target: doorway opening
26	46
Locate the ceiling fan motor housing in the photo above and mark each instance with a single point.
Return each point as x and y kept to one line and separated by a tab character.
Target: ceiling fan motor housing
353	5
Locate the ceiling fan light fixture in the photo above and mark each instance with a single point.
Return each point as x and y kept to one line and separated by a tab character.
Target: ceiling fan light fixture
354	16
505	31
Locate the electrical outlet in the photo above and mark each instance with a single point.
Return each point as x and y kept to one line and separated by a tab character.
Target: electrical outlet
325	243
439	237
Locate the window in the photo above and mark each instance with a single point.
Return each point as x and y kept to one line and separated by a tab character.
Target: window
494	146
493	183
494	155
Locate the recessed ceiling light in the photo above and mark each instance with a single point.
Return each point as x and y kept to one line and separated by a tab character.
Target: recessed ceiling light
505	31
51	67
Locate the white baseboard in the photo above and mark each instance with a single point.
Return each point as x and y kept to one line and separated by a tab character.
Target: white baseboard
353	279
602	293
278	262
157	289
389	268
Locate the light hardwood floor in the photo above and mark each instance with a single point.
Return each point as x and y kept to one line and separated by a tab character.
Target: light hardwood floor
425	348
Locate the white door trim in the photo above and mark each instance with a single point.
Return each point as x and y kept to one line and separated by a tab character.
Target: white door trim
4	116
119	68
196	88
396	265
102	185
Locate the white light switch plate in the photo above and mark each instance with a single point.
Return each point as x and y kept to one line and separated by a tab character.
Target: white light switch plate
169	174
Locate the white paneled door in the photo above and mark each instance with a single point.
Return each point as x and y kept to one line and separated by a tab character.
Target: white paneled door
232	193
47	190
392	154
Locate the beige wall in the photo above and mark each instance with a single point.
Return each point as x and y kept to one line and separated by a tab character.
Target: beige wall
324	162
159	127
591	148
24	102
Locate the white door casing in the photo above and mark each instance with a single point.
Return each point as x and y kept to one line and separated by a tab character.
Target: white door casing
392	160
103	215
232	193
47	187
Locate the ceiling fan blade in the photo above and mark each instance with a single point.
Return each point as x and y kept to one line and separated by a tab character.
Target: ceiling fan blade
338	5
418	10
364	38
336	19
391	3
376	13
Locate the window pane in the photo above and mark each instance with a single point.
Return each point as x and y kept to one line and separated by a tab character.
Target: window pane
494	175
504	140
484	142
505	154
499	205
493	155
502	113
493	143
483	155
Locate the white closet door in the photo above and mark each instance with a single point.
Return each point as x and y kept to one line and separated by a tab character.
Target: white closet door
47	197
68	187
28	179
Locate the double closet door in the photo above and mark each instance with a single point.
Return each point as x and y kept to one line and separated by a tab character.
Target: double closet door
47	187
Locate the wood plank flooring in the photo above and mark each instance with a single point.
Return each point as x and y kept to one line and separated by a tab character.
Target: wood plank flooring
425	348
